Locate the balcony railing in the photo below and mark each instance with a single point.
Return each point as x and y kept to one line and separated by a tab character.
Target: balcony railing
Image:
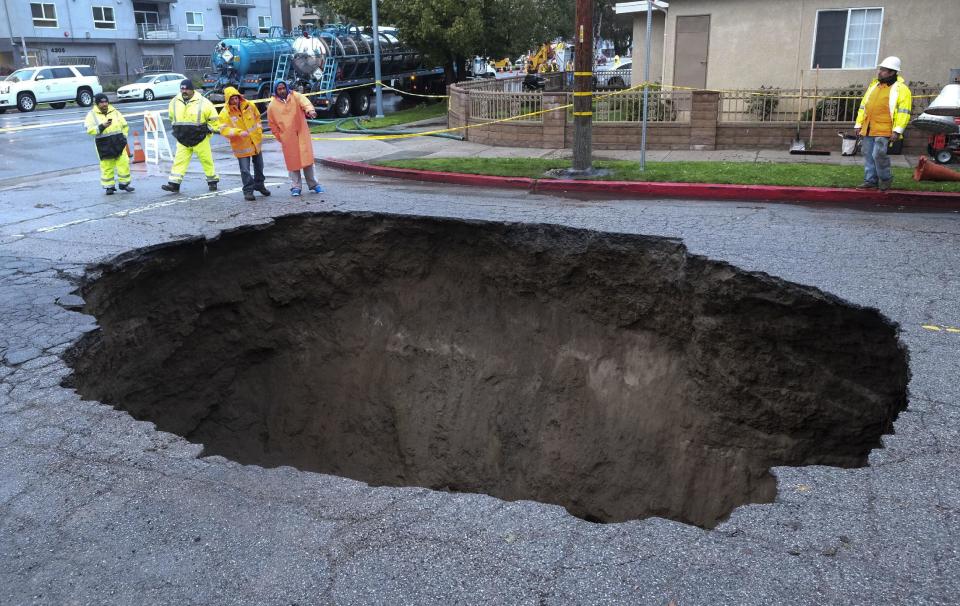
240	3
157	32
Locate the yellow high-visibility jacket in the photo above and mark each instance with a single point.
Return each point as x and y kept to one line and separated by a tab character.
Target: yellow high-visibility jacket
901	104
192	121
112	141
233	122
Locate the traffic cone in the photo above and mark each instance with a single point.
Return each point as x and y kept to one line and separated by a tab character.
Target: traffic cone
928	171
138	155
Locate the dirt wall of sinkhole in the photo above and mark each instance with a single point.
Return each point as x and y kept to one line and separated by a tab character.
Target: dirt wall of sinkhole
615	375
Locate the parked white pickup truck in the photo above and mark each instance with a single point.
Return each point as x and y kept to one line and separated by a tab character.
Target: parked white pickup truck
53	84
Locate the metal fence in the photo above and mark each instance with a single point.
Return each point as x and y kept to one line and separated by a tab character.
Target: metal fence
493	105
665	106
785	105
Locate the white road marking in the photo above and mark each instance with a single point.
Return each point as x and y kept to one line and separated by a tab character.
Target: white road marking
140	209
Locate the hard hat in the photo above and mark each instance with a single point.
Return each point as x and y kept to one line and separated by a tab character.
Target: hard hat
891	63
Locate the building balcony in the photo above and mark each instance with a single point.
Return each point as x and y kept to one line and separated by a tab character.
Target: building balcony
237	3
159	33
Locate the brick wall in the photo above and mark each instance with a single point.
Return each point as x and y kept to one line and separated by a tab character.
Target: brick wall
702	132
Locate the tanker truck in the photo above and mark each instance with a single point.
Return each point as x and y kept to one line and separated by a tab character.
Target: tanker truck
320	62
246	63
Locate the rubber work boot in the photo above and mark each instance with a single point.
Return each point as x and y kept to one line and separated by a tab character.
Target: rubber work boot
263	190
885	185
212	185
127	188
867	185
110	191
248	196
171	187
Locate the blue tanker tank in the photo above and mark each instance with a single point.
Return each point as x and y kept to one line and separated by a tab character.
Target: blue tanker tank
249	55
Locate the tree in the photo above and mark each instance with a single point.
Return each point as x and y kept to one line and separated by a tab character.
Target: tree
449	31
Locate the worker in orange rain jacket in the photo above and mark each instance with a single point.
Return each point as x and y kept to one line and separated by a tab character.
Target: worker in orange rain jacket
239	121
287	115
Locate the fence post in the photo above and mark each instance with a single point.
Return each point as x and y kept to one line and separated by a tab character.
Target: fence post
459	109
554	122
703	120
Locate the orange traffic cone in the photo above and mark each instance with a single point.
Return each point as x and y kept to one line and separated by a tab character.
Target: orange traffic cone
138	155
928	171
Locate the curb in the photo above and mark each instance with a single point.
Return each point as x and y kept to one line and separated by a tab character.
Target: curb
689	191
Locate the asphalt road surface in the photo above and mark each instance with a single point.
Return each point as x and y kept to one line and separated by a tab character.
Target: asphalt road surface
96	508
54	139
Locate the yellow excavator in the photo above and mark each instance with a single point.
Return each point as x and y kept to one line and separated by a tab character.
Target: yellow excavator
542	61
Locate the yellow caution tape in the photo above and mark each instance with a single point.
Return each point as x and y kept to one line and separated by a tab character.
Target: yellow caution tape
583	94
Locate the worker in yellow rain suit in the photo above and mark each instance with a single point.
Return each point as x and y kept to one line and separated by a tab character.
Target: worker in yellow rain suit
193	119
110	129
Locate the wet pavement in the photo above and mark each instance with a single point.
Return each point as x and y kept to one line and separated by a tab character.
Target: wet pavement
96	508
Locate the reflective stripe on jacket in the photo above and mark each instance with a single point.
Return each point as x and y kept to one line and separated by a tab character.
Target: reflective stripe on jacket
192	121
95	118
113	140
901	104
233	122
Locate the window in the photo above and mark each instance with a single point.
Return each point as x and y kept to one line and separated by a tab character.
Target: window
196	63
45	74
103	17
44	14
848	38
80	60
230	25
157	63
194	22
264	22
63	72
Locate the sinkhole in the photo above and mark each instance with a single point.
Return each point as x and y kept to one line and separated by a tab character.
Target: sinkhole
616	375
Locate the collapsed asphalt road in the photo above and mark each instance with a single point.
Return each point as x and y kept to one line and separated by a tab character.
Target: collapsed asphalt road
98	508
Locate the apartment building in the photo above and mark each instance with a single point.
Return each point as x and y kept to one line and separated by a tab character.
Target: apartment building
126	37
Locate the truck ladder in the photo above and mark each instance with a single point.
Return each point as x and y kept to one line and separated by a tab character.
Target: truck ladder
329	73
283	66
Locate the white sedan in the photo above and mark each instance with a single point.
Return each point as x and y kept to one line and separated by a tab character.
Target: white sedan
151	86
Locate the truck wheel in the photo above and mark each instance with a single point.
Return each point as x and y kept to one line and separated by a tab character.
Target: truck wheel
944	156
361	103
343	105
58	105
3	110
84	97
26	102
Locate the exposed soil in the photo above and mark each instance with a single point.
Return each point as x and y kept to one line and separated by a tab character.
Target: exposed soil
615	375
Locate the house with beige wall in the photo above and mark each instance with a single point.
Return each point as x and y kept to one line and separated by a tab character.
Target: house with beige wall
745	44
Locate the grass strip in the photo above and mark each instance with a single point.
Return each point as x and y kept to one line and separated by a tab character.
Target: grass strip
423	111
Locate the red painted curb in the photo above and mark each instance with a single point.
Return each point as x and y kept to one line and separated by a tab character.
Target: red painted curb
689	191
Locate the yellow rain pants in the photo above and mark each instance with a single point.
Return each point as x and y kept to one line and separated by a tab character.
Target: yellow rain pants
182	159
119	166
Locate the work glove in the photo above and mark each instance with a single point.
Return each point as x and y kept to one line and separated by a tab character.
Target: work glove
101	128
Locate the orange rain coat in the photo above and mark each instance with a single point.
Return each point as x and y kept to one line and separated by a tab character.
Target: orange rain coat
288	122
234	122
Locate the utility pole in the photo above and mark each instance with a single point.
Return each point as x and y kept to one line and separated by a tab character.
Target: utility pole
376	59
583	88
646	86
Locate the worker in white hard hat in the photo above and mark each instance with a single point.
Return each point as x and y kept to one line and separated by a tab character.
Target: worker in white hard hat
884	114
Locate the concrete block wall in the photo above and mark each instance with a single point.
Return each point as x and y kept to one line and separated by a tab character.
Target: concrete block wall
702	132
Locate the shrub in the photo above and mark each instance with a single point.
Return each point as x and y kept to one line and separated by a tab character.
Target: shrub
763	104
